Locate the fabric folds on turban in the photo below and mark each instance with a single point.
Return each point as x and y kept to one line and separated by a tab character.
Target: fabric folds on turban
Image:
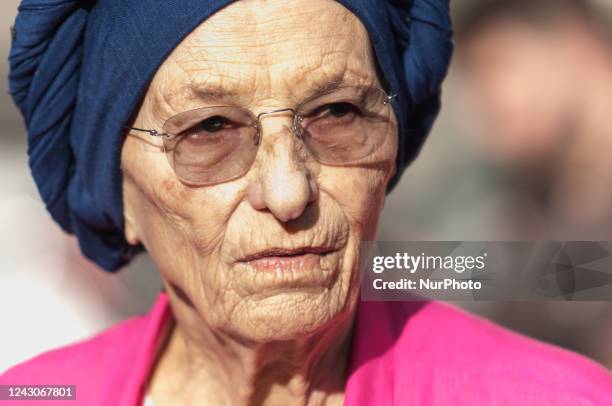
79	69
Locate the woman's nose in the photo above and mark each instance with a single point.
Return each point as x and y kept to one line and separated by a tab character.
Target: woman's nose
284	185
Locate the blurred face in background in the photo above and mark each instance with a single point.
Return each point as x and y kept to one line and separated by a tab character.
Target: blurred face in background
520	90
537	93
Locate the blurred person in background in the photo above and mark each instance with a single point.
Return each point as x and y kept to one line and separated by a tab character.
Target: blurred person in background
536	84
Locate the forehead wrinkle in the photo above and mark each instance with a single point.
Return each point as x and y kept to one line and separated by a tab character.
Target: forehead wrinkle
205	87
244	28
301	84
329	65
324	60
326	72
271	18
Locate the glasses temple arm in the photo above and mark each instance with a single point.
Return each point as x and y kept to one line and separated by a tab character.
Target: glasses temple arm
153	132
389	97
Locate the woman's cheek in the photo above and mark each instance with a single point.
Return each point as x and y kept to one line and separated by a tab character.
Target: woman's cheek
358	191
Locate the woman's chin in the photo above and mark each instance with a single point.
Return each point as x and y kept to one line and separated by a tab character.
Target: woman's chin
287	314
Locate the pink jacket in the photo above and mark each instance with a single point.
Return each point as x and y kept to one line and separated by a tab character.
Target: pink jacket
416	353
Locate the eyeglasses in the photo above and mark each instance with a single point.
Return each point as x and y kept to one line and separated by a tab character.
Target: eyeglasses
210	145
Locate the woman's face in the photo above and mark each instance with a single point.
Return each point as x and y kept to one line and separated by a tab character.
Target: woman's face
274	253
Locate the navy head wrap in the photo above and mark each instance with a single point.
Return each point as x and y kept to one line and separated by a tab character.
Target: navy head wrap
79	69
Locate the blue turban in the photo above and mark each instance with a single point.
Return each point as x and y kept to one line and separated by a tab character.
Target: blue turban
79	69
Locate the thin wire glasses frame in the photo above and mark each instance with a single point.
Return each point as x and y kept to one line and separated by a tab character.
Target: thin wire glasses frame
210	145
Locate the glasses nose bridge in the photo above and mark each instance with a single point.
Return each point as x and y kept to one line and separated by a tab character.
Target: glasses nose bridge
294	122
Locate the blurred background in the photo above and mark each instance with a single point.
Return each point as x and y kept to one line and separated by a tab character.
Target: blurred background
521	152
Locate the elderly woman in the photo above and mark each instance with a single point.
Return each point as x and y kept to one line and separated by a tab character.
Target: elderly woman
248	147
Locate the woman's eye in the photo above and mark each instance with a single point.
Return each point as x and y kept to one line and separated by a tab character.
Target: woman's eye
341	109
213	124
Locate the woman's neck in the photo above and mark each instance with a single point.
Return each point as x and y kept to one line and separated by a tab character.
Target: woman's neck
202	366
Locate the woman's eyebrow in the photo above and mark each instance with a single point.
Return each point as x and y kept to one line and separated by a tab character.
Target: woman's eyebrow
215	94
327	86
212	94
342	80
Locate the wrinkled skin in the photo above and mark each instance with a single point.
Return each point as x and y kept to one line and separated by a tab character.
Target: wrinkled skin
244	336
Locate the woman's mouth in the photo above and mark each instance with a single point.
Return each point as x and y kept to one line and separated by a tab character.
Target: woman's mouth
269	270
286	260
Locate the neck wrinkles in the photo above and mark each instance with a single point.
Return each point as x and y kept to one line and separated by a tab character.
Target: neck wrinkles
198	365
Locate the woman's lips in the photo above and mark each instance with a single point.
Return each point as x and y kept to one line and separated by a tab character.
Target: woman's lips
288	268
272	253
286	263
286	259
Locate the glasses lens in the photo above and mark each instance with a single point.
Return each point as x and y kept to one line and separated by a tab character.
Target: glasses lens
210	145
345	125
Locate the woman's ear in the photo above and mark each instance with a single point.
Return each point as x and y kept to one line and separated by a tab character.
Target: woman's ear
131	229
131	233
